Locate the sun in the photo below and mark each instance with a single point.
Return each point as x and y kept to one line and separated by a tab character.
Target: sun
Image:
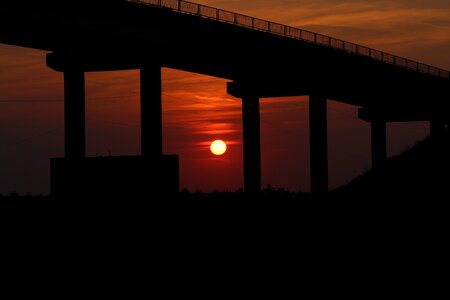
218	147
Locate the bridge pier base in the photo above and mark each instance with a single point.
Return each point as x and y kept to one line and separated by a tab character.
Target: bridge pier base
74	112
378	137
318	141
151	111
252	144
76	176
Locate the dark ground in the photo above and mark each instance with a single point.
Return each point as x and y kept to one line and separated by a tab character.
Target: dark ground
410	203
417	180
366	238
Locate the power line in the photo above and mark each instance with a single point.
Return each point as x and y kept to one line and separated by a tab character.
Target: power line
29	101
342	114
113	123
32	137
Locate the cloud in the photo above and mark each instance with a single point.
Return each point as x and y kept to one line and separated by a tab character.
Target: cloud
412	28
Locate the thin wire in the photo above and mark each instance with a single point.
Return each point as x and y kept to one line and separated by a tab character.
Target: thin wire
113	123
343	114
32	137
125	96
29	101
276	127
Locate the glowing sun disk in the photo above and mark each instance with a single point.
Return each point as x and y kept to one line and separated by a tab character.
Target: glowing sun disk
218	147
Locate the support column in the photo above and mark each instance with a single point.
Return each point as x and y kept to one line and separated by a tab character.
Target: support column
252	144
151	111
379	156
318	141
74	112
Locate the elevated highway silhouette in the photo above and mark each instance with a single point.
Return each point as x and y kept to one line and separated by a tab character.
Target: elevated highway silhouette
260	59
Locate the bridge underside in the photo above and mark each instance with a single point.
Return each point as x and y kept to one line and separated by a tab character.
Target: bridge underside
127	35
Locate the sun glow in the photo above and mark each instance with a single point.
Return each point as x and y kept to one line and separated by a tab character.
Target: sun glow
218	147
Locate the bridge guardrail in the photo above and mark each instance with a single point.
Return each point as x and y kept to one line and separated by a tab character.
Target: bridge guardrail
292	32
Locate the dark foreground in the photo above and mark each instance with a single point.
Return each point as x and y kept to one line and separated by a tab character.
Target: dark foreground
403	218
276	210
224	239
414	187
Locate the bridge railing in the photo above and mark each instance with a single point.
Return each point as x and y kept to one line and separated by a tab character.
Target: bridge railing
292	32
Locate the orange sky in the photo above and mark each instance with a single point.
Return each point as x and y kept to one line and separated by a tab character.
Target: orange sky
197	109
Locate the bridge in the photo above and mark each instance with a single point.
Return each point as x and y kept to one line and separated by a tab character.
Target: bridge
259	58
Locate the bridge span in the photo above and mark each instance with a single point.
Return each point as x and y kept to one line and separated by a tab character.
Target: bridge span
259	58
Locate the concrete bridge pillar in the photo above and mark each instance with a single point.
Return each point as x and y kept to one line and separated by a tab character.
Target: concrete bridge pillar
151	110
252	143
378	135
318	141
74	112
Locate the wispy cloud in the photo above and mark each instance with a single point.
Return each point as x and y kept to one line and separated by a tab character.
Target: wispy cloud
413	28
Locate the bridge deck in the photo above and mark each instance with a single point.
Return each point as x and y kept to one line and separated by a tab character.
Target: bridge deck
237	19
268	58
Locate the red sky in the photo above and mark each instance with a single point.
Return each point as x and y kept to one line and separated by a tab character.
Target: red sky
197	110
